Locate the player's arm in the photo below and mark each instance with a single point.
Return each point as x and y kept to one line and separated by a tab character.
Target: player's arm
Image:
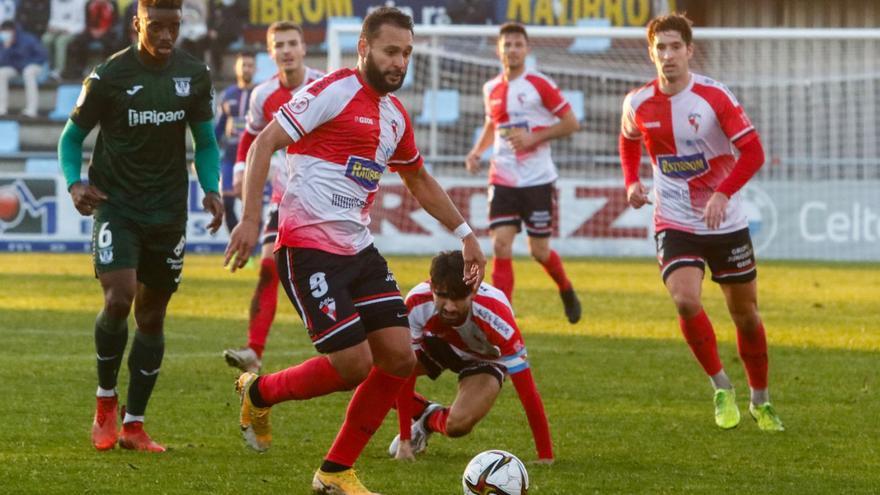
524	141
207	159
255	122
738	128
487	136
70	147
527	390
629	145
245	235
437	203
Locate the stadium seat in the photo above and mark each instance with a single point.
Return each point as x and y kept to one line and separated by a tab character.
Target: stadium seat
347	41
590	44
65	100
265	67
9	136
440	106
486	154
41	166
576	99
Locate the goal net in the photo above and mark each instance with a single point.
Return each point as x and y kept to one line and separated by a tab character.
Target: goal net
812	94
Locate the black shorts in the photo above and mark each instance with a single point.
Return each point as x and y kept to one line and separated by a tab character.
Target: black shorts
532	205
154	251
341	298
270	230
731	256
437	355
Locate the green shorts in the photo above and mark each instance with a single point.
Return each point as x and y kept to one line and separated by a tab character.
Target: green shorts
155	251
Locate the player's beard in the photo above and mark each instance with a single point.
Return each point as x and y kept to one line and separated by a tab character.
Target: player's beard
377	78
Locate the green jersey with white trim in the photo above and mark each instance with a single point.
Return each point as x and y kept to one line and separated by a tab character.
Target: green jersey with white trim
139	159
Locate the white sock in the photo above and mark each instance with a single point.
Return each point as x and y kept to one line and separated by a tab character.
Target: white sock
760	396
103	392
131	419
720	380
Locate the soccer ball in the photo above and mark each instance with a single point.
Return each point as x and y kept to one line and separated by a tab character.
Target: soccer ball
496	472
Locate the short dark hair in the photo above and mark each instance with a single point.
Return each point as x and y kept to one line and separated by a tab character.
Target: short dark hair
246	54
447	270
7	25
671	22
283	26
161	4
381	16
513	28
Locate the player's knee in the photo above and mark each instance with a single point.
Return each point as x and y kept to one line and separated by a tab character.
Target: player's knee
501	247
117	304
399	363
687	305
746	321
539	253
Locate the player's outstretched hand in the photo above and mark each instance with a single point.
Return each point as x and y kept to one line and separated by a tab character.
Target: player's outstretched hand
86	197
242	241
213	205
716	210
472	162
404	451
474	261
637	195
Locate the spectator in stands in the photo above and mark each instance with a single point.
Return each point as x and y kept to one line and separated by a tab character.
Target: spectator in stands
469	11
67	19
194	28
20	54
101	33
33	16
226	21
7	10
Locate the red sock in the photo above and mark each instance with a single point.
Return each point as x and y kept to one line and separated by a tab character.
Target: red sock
699	335
525	386
502	276
553	267
311	378
437	421
263	305
753	352
371	402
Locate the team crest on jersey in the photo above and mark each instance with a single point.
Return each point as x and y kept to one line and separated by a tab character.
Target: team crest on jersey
694	120
182	86
299	105
328	307
394	128
683	167
366	173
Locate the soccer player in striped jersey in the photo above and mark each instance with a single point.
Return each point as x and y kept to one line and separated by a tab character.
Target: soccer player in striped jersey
341	134
690	125
474	335
287	49
525	110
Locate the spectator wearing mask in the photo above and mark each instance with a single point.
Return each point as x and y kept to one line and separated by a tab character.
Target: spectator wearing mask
20	54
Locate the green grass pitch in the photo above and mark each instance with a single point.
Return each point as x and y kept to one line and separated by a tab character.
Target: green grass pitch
630	410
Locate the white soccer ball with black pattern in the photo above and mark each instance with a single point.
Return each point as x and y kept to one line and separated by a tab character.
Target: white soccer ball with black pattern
497	472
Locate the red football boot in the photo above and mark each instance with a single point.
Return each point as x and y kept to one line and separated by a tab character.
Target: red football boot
104	432
133	437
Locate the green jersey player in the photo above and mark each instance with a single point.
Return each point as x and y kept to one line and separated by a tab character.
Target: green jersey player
143	98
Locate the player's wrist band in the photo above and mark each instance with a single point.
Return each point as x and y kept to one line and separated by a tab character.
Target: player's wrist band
238	167
462	230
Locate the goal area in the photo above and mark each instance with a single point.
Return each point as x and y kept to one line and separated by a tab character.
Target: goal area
812	94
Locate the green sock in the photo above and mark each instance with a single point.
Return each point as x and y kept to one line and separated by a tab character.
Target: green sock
110	338
144	361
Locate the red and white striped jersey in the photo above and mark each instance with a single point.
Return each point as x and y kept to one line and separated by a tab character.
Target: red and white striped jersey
266	98
690	138
531	102
345	136
489	333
